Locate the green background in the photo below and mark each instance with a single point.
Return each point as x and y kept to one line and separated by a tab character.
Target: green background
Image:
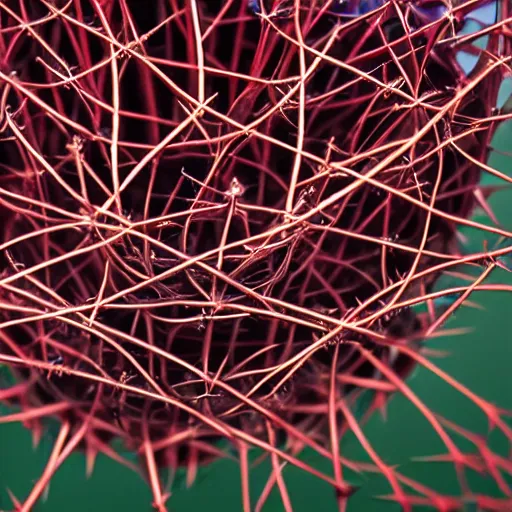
482	360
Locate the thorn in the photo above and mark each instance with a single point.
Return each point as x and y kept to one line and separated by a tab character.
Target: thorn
380	402
492	421
349	490
489	190
480	197
504	262
431	352
46	493
90	459
16	503
463	239
441	503
37	434
467	460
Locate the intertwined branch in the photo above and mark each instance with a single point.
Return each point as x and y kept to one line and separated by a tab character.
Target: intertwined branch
220	216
